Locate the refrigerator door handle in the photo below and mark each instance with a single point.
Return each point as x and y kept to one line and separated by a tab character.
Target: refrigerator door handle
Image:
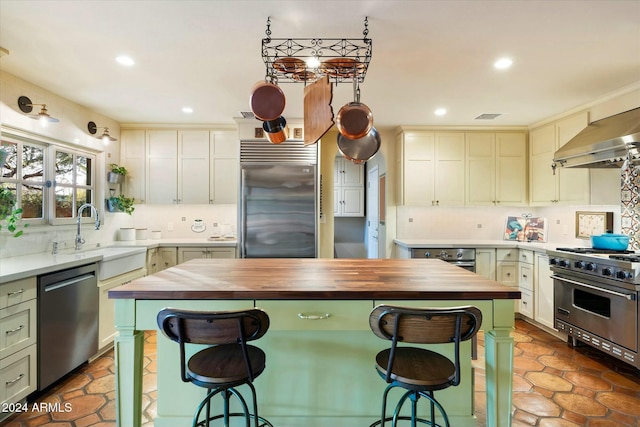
243	216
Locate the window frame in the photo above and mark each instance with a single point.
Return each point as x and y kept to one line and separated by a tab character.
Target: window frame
50	147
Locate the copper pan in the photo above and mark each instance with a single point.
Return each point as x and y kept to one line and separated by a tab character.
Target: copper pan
276	130
362	149
267	100
355	119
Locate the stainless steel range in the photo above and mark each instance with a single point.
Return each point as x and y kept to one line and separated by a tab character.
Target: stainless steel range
596	299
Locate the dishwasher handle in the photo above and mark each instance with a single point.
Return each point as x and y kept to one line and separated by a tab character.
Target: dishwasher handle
69	282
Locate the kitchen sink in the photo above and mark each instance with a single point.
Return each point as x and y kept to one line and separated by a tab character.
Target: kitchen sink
117	260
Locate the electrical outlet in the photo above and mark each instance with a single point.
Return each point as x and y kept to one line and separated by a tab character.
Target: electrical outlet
558	221
169	226
479	225
184	218
410	219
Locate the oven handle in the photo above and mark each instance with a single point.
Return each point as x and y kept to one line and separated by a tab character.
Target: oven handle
462	263
606	291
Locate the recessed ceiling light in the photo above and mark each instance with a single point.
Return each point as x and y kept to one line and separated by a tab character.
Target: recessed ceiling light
503	63
187	110
125	60
440	112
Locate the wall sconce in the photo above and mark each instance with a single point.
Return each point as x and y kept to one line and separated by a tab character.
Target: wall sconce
105	137
26	106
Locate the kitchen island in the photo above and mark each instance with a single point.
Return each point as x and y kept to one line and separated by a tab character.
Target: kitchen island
320	350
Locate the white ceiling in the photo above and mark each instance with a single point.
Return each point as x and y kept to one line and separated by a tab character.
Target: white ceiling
426	54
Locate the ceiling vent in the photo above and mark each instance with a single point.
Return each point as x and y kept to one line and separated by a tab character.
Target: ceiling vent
247	115
487	116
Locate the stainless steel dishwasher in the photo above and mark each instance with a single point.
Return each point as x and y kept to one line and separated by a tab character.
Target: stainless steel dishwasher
67	321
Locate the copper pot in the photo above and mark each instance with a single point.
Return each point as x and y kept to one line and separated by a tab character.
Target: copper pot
275	130
355	119
362	149
267	100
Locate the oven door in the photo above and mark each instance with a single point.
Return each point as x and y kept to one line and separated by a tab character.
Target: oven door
467	265
606	311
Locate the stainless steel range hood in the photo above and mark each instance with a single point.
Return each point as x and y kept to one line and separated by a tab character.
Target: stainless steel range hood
604	143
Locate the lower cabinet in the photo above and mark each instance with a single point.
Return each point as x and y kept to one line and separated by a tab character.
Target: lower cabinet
187	253
106	318
160	258
486	263
18	335
543	289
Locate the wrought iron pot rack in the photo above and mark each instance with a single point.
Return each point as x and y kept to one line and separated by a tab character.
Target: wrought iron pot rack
342	60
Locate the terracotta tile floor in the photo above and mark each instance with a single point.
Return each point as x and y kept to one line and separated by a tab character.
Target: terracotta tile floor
554	386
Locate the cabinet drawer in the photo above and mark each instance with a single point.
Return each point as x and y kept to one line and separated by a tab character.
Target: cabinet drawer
506	255
17	327
318	315
18	291
525	279
525	256
526	303
18	376
507	273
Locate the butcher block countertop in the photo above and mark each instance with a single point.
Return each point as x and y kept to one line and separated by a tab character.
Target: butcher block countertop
313	278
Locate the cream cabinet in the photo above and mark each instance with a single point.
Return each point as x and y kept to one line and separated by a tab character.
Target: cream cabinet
496	168
181	166
162	167
433	168
525	282
348	187
18	349
106	309
486	263
133	156
543	291
559	186
160	258
507	266
188	253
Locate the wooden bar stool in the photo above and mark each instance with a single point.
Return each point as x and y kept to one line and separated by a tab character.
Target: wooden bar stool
228	363
418	370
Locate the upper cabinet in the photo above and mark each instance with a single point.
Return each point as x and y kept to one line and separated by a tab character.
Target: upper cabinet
181	166
432	168
496	168
348	187
562	186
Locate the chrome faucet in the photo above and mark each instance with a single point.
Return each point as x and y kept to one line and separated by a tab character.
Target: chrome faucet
79	239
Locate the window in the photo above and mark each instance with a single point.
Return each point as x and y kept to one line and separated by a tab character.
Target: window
48	181
73	184
23	173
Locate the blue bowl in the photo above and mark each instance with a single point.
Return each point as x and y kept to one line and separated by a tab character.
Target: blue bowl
615	242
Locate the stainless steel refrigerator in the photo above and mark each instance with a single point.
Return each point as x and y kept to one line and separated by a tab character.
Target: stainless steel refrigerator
278	210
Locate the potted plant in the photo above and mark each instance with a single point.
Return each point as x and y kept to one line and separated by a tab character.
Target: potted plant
117	174
9	213
121	203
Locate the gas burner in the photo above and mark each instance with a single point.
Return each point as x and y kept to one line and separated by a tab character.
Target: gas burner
593	251
628	258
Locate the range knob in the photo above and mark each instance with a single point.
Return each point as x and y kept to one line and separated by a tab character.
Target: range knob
444	254
579	264
553	261
459	254
591	266
427	254
607	271
563	263
623	274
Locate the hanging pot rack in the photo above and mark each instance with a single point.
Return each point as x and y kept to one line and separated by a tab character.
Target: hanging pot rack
343	60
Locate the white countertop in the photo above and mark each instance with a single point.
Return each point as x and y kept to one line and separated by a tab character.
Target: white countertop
471	243
20	267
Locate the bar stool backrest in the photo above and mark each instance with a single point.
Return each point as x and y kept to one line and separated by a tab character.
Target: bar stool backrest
213	327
